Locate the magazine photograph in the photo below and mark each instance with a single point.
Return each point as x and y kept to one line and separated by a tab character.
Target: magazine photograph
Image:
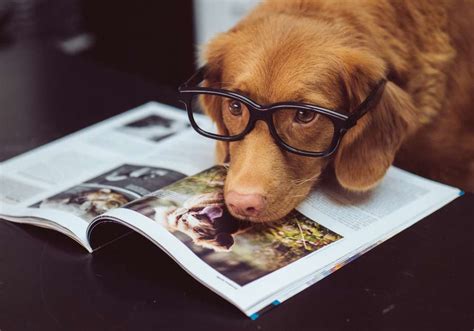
110	190
153	127
193	209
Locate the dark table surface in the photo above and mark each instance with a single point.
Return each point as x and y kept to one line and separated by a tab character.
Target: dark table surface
422	279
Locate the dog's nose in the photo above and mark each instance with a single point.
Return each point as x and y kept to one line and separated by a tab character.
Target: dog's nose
250	205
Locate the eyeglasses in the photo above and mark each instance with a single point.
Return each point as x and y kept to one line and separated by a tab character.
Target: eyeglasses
300	128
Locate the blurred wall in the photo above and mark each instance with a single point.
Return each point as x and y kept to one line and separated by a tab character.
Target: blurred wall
214	16
156	40
150	38
40	19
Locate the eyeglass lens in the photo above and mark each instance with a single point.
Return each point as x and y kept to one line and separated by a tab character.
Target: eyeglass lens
300	128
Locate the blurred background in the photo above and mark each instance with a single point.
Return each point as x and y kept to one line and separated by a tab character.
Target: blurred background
156	40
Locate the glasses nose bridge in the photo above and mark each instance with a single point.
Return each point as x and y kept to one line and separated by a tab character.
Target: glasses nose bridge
258	113
263	114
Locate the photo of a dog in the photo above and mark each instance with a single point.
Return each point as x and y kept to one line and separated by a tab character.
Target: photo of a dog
333	54
194	211
87	201
110	190
204	219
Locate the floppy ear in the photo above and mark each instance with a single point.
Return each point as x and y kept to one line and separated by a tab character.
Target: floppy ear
369	148
224	242
214	58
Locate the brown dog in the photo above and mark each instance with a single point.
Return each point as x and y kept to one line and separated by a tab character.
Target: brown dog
331	53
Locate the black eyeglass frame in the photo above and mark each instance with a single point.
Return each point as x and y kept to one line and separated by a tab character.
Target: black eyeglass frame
342	122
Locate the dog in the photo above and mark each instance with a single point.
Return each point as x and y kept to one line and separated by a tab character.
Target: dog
85	202
204	219
332	53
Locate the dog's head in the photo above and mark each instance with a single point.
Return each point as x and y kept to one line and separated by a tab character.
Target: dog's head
204	219
288	58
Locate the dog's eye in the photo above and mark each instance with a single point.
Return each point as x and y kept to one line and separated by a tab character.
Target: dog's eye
304	116
235	108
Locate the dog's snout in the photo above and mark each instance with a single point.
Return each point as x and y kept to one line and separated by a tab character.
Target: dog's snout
246	205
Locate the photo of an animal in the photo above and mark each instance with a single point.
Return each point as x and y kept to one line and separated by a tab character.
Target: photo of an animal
109	190
193	210
204	219
332	53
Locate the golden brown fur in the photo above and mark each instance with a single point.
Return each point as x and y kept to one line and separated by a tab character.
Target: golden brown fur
331	53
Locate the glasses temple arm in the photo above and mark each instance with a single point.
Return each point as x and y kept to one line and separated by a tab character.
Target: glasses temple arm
370	102
195	79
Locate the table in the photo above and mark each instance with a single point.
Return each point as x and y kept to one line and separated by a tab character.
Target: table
422	279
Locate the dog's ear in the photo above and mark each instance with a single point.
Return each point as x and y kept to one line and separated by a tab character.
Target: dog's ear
368	149
223	242
214	59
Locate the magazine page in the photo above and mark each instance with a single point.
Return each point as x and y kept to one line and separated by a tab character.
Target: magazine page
74	179
257	265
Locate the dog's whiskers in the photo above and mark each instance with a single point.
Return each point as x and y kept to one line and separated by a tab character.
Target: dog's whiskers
304	181
298	196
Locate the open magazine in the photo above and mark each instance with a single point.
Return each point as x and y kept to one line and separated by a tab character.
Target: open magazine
147	171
